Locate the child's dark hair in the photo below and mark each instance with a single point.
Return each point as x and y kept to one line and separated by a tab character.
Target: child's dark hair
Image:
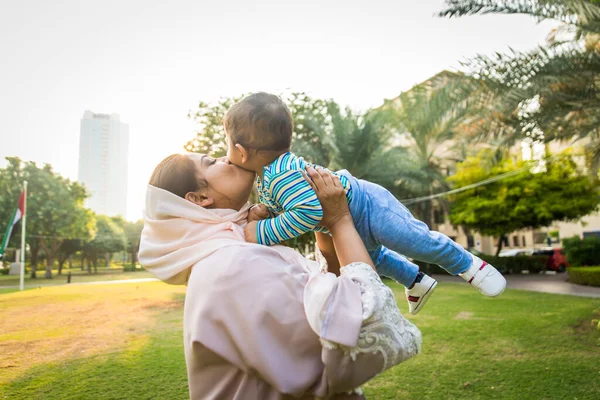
260	121
177	174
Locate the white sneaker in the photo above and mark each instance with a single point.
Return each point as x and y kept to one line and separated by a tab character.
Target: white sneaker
485	277
419	294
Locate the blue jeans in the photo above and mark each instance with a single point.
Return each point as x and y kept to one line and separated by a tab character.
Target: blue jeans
388	228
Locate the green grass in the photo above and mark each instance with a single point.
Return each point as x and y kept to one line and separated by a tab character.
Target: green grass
523	345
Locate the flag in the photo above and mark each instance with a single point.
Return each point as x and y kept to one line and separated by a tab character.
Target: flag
16	217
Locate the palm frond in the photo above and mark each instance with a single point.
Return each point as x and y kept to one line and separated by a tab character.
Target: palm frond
584	13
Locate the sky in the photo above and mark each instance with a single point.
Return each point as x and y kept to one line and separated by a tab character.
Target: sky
153	61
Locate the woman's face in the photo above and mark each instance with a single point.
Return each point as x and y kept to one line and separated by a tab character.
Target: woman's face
228	186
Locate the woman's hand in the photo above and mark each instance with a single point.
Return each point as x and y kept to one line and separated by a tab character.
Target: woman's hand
336	217
332	196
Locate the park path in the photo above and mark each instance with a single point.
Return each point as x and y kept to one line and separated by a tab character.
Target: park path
556	284
113	282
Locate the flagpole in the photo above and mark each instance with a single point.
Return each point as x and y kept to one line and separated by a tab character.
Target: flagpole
22	280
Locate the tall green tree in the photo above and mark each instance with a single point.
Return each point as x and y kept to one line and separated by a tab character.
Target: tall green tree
210	136
524	199
549	93
67	248
363	145
55	208
110	238
133	232
312	127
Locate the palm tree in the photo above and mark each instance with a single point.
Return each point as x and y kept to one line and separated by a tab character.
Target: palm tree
429	119
362	145
549	93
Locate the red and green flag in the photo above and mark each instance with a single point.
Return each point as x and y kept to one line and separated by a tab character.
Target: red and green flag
16	217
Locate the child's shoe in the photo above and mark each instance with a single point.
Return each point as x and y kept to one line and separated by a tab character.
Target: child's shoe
420	292
485	277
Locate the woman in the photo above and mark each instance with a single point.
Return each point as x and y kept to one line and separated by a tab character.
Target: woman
264	322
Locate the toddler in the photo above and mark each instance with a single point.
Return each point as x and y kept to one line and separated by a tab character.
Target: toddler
259	134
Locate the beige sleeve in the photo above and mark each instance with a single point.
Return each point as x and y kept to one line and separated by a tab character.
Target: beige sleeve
385	338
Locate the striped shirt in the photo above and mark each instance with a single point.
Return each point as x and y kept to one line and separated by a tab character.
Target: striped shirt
285	192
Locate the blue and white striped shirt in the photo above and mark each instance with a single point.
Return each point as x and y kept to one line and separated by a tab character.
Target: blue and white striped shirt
284	191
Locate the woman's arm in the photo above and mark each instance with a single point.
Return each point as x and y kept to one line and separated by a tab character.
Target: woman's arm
354	350
327	249
336	217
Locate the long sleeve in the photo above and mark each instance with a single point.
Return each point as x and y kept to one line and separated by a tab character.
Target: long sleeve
384	338
302	209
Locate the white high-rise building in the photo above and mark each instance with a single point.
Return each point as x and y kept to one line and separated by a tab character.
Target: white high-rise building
103	159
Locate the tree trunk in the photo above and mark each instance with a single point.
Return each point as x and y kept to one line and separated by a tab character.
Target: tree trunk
49	264
427	214
431	210
89	265
82	261
500	243
61	261
134	251
71	261
34	261
107	259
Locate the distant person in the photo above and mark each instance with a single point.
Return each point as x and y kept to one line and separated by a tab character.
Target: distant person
264	323
259	134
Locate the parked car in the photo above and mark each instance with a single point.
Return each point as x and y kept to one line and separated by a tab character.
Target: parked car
556	258
515	252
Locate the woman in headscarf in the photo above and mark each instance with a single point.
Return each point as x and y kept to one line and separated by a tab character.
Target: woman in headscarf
264	322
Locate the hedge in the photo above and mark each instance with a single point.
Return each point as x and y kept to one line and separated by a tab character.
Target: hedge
581	252
506	265
584	275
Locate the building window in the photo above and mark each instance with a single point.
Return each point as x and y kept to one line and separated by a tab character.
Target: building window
470	241
505	240
591	234
438	216
524	241
539	237
515	241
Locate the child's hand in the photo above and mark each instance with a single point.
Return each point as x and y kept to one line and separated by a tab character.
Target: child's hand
250	232
258	212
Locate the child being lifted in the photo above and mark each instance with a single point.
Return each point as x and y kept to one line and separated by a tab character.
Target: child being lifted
259	134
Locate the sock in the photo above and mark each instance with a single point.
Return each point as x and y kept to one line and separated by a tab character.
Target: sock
418	279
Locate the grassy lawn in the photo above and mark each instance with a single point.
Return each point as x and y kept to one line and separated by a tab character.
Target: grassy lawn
77	276
125	342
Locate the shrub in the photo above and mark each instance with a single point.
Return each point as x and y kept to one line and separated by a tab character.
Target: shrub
584	275
132	268
582	252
